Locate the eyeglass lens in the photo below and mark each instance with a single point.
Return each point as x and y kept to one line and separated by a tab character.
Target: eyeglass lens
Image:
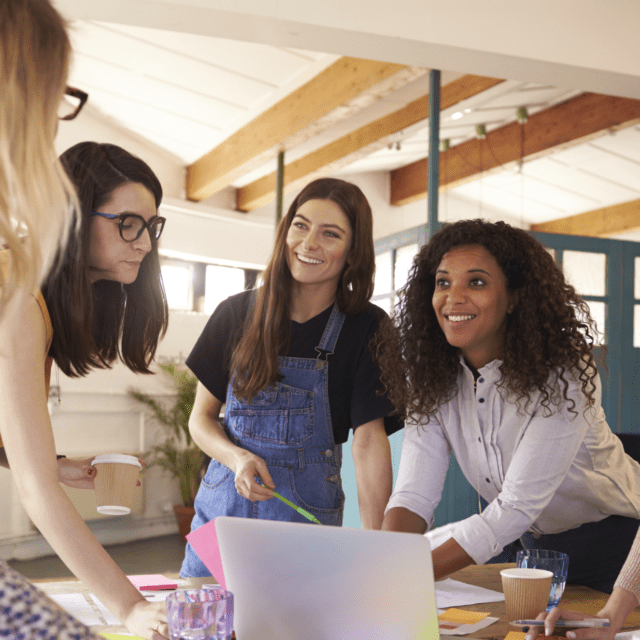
68	107
71	103
132	226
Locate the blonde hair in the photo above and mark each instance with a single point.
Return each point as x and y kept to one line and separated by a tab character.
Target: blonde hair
35	193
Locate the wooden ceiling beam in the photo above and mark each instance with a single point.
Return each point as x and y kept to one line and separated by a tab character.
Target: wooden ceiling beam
358	143
342	81
575	121
598	223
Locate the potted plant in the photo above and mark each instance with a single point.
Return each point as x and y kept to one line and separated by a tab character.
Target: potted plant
177	453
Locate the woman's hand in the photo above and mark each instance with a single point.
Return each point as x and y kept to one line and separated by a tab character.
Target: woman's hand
619	605
249	466
148	620
593	633
80	474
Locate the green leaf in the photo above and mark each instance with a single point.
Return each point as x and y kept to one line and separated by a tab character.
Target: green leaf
177	453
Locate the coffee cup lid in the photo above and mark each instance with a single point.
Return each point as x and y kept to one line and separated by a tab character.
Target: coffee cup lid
113	510
116	457
521	572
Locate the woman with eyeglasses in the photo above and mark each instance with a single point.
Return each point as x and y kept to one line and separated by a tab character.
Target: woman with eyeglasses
102	300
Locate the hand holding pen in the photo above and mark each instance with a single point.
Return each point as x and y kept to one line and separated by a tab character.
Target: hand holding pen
259	482
579	626
253	480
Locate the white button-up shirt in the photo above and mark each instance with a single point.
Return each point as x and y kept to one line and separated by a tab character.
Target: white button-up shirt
545	474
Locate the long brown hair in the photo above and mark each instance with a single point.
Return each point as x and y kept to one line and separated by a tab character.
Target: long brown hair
549	329
35	195
267	330
93	324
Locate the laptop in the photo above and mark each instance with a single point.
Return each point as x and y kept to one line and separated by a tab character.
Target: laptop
294	581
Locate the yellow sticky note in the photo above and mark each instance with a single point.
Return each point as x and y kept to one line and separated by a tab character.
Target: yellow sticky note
519	635
460	616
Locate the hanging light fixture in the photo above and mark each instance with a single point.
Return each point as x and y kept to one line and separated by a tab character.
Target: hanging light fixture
522	115
481	134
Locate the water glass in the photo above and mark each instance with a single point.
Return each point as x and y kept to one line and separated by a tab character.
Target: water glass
200	614
554	561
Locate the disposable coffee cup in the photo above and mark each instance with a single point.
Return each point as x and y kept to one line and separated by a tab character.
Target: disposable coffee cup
115	483
526	592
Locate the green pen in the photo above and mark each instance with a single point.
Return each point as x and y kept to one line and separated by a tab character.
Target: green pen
300	510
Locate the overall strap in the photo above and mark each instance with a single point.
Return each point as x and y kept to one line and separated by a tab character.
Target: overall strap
330	335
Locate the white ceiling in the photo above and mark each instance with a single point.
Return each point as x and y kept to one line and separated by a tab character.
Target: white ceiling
186	92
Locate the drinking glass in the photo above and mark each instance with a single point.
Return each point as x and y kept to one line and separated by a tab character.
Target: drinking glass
554	561
200	614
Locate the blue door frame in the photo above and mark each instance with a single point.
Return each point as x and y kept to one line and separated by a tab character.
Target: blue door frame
614	298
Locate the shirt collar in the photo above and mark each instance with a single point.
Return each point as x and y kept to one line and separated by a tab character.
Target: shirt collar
488	369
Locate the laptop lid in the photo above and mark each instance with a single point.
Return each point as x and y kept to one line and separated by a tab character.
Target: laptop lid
295	581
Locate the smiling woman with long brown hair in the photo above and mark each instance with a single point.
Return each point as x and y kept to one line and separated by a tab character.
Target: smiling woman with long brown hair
292	360
492	358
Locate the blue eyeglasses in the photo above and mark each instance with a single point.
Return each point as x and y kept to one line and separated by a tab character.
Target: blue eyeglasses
131	225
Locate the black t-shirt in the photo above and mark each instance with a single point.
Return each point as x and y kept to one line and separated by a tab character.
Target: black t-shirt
354	377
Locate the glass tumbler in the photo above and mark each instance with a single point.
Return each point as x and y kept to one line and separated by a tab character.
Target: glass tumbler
554	561
200	614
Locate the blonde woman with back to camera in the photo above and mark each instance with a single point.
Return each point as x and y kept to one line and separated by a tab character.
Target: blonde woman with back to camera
36	202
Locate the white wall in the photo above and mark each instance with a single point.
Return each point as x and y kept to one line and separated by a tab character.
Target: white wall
92	126
96	416
389	219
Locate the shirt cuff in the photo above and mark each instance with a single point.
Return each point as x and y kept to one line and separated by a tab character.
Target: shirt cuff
631	584
414	505
476	537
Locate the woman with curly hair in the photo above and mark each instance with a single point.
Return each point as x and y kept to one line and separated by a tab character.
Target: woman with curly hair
492	359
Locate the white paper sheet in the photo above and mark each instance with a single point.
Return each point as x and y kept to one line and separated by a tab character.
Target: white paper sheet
110	619
157	596
76	604
634	634
453	593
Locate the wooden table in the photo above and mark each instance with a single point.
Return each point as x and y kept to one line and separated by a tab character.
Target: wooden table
75	586
577	598
488	576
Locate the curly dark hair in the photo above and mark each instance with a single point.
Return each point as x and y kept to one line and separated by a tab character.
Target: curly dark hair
549	329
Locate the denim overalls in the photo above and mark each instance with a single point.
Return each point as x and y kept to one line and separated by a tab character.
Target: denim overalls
288	425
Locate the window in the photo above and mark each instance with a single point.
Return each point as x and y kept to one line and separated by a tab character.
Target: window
394	259
587	272
220	283
196	286
178	284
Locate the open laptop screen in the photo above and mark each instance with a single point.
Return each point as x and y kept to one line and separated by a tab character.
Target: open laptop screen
296	581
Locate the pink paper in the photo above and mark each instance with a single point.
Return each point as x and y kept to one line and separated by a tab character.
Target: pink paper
152	582
204	541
